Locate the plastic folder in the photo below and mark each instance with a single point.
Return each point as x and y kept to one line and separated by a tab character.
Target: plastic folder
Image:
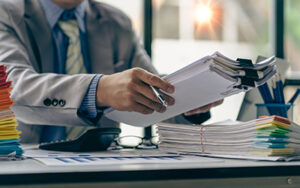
207	80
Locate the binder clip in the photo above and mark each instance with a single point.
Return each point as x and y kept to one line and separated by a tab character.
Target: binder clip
251	74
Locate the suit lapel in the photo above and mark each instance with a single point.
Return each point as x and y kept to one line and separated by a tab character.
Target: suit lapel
99	41
38	26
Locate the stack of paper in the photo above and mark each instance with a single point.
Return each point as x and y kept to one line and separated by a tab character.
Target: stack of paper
267	136
9	136
207	80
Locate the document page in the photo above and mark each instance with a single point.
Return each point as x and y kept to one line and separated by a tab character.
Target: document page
87	161
189	94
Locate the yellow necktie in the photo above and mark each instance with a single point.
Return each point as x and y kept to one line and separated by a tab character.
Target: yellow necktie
74	59
74	62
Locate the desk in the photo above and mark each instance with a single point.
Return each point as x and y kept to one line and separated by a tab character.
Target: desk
229	173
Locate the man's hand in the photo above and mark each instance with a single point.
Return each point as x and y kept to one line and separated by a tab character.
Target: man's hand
129	91
203	109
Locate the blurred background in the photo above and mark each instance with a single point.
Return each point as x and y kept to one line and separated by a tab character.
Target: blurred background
177	32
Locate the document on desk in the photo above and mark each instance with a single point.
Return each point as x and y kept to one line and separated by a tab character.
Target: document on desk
207	80
87	161
38	153
267	138
110	157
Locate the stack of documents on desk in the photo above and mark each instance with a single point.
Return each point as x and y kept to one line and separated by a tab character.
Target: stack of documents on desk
267	136
207	80
9	136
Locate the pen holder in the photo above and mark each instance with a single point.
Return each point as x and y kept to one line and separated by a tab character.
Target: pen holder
283	110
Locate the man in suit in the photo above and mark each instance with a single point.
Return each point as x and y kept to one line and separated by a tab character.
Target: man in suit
69	60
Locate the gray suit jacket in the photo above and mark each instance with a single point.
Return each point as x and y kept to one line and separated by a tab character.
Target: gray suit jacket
26	48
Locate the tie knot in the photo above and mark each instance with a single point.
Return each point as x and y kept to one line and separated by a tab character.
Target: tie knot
67	15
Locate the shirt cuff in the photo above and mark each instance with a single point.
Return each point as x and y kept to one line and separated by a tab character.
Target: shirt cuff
88	107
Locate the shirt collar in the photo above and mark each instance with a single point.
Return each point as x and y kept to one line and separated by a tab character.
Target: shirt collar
53	13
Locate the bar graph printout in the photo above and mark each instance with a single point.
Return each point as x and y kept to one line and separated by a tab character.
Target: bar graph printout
76	161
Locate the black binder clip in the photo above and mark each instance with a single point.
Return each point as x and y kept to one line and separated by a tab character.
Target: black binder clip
251	75
248	68
245	62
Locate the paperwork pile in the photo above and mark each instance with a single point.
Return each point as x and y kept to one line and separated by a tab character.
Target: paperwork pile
267	136
207	80
9	136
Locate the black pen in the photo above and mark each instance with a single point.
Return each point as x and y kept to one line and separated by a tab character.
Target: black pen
161	98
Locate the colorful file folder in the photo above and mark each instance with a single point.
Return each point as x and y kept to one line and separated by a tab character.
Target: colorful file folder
9	135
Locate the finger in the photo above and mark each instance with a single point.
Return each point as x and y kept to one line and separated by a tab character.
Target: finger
170	100
206	108
192	112
150	104
209	106
202	109
218	102
154	80
146	91
142	109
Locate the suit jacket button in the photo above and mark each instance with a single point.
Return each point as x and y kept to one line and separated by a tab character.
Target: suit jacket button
62	103
47	102
54	102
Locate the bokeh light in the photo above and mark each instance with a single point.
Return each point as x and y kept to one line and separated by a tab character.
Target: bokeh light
203	14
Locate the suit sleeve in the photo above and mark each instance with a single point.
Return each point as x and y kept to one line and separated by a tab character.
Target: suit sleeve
35	94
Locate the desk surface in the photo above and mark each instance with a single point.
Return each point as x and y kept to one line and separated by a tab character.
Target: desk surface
31	171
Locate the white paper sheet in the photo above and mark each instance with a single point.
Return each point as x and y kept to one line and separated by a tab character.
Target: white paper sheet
189	94
251	157
65	161
37	153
